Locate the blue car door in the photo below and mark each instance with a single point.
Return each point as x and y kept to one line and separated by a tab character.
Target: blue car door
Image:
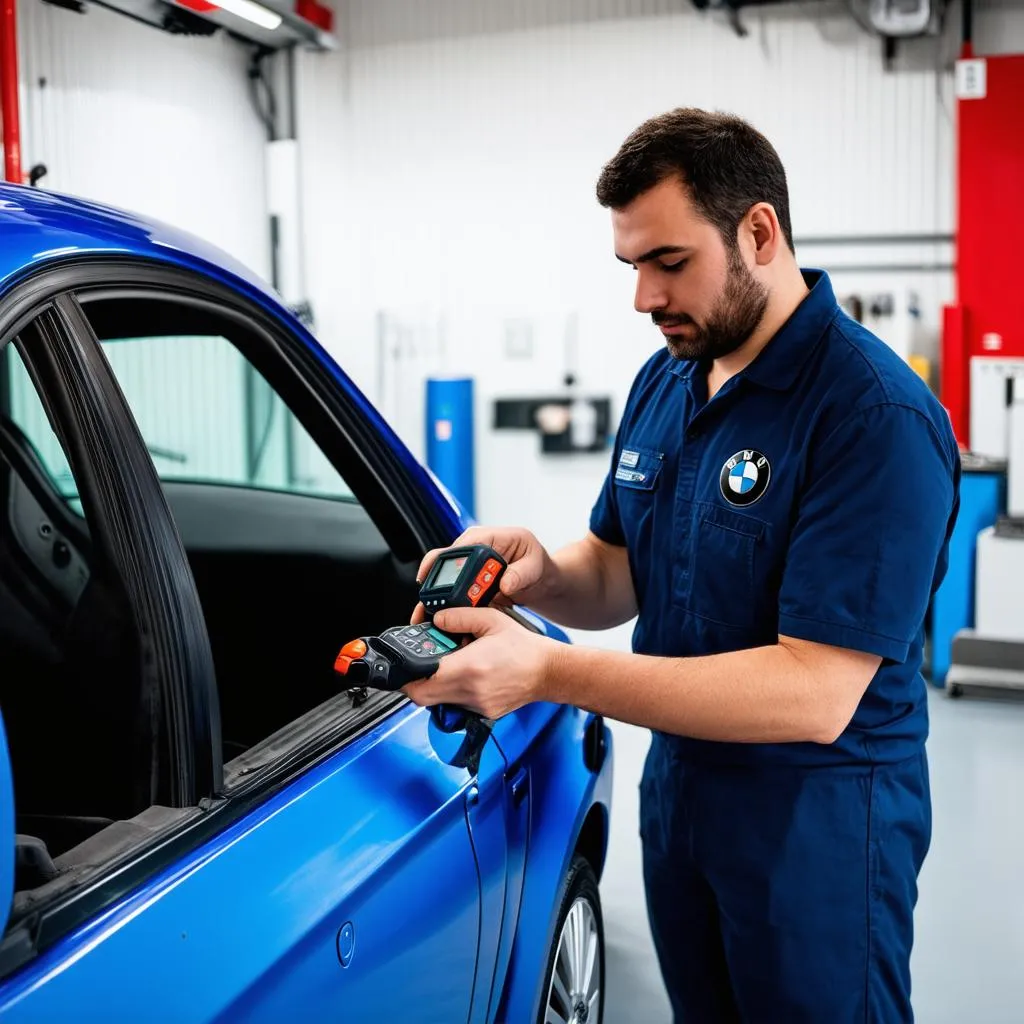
352	895
376	911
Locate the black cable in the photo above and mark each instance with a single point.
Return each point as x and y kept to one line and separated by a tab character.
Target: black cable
967	21
257	77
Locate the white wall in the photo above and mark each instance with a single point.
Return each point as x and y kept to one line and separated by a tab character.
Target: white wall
451	152
123	113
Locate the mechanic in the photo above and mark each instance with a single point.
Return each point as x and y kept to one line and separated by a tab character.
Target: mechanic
776	515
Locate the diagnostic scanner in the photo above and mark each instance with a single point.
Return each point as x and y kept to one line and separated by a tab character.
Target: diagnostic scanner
464	577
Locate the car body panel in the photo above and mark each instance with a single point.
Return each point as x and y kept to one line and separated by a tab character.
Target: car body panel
495	845
6	827
563	792
377	830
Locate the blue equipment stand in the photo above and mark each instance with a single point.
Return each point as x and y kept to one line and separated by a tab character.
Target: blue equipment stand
982	501
450	448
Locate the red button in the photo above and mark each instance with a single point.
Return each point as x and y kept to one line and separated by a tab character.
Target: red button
486	577
476	590
354	649
492	565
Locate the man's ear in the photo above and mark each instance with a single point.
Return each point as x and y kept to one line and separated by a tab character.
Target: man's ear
761	225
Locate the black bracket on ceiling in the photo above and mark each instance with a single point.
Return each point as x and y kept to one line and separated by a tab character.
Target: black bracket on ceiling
732	9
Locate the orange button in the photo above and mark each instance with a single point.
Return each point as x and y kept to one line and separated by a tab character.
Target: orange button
354	649
341	664
492	565
476	590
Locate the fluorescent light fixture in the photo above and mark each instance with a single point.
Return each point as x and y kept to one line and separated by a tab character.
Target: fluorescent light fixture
256	13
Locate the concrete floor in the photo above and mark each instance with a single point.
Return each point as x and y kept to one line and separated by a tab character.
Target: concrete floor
968	960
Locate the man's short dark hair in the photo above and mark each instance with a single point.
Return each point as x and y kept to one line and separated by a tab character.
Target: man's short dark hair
725	163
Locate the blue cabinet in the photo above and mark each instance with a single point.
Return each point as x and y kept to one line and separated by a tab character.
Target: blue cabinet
982	501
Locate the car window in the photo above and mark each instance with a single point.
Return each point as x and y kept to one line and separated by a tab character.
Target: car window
25	409
204	412
207	415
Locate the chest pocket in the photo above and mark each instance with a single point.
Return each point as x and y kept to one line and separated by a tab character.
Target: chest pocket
639	468
639	485
721	581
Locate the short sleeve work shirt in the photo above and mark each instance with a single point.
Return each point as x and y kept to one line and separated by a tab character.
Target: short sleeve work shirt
813	497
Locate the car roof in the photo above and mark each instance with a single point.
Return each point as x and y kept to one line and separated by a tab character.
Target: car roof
39	227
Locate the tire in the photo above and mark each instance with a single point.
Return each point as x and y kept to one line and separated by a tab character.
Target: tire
568	974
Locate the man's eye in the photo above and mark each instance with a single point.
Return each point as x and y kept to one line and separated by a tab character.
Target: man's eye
673	268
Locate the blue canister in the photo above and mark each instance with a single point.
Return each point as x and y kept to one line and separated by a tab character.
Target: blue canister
450	451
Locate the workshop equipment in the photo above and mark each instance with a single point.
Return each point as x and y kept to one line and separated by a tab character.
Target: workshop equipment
991	654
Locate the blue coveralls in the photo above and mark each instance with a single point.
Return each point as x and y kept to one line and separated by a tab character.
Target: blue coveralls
813	497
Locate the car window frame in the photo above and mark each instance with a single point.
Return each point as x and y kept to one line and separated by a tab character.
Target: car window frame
381	483
409	527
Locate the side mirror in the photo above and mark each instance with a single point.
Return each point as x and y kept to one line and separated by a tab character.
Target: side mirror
6	831
458	737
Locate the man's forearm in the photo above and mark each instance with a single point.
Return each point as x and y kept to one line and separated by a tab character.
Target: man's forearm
583	591
760	695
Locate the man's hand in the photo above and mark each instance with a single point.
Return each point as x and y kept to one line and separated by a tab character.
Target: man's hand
500	671
529	565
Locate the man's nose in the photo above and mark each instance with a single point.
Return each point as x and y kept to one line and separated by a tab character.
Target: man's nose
649	294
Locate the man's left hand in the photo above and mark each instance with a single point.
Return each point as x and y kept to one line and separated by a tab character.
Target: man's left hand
500	671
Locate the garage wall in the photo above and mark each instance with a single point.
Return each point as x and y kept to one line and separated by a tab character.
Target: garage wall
457	216
123	113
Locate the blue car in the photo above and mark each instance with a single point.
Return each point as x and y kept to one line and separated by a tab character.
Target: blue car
197	821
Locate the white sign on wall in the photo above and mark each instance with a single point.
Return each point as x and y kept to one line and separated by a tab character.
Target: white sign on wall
971	79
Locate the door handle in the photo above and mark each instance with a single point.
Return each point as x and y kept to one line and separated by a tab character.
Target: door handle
519	785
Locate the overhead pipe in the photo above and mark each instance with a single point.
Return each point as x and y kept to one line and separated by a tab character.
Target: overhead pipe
9	90
967	29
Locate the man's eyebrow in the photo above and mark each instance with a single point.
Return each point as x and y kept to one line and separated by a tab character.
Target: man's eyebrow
653	254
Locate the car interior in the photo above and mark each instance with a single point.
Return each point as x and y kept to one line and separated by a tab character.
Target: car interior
284	580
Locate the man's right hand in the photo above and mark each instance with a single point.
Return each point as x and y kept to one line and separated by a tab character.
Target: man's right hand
530	568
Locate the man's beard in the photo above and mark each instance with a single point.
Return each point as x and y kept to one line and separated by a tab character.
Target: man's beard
734	319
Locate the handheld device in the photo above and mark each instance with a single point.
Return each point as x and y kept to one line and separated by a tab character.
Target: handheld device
464	577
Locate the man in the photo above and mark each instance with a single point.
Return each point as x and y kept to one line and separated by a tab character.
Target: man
777	515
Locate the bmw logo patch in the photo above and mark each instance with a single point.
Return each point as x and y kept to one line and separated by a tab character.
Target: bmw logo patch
745	477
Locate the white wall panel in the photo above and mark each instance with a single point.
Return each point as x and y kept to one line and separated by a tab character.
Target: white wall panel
123	113
464	138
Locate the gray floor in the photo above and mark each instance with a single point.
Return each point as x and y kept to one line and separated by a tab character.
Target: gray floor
968	961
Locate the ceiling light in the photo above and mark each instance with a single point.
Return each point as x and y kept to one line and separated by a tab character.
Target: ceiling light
252	12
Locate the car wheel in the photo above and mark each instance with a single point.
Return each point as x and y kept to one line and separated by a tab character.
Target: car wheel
574	983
